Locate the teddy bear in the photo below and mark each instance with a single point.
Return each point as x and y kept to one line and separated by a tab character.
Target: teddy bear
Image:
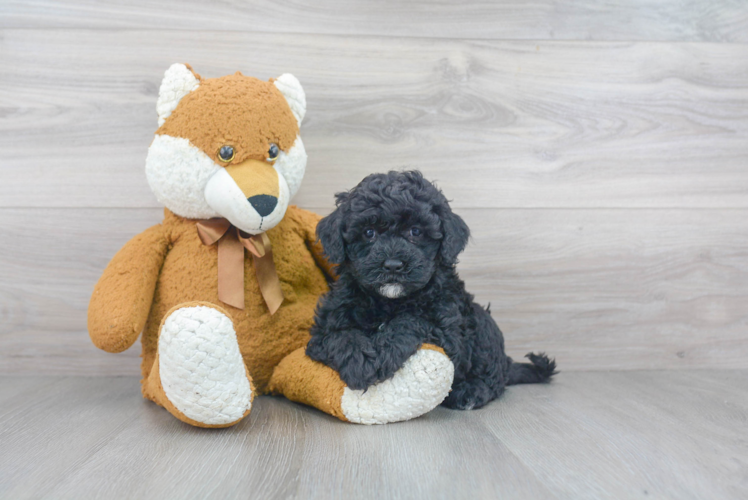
224	289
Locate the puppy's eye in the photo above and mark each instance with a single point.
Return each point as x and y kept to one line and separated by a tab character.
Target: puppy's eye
415	232
370	233
273	152
226	154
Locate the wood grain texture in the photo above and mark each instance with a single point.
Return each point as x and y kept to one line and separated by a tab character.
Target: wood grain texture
631	435
597	289
663	20
503	124
589	435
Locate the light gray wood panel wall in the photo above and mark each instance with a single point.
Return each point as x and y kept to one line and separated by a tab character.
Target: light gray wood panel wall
504	124
605	179
665	20
597	289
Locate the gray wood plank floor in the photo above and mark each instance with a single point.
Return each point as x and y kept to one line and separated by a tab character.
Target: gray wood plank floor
648	434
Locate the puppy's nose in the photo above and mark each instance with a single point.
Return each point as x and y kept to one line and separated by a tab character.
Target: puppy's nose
393	265
263	203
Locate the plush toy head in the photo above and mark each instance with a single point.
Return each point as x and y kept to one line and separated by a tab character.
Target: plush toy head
227	147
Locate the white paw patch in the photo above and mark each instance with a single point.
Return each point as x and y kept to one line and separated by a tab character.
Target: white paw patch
202	371
417	388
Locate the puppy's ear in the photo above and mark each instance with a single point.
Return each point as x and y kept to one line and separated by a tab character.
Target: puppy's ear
330	235
456	235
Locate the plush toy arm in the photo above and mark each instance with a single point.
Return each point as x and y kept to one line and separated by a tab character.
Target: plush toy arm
418	387
319	256
122	298
308	222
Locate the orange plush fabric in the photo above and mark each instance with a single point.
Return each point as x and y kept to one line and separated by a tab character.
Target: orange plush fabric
234	110
113	323
174	267
301	379
168	269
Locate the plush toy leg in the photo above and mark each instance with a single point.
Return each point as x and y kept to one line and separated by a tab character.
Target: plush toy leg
199	374
417	388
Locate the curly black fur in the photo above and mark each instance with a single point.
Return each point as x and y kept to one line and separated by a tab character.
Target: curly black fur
395	241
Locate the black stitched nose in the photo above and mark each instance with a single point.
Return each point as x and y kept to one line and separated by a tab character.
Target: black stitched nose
393	265
263	203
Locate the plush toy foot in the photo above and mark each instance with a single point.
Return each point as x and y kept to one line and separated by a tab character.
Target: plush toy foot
417	388
199	374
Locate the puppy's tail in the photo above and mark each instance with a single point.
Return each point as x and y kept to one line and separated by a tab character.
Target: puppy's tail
540	369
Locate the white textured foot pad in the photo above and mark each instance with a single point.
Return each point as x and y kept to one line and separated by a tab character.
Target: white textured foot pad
417	388
202	371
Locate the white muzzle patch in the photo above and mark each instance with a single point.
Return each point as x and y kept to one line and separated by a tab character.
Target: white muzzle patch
391	290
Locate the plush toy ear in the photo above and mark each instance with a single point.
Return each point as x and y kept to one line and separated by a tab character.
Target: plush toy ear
456	234
294	94
330	235
179	80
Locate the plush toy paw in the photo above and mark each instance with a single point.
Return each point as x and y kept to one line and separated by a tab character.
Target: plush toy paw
200	371
417	388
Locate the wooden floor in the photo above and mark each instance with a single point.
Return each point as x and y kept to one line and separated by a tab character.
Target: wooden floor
646	434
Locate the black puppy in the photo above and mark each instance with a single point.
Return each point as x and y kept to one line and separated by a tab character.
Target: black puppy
395	241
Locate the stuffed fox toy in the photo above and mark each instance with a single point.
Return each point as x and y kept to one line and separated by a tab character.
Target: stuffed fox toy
224	289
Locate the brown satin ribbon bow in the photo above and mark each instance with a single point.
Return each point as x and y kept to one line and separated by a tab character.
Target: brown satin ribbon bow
231	245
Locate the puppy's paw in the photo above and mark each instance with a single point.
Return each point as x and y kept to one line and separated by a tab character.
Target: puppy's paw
359	372
470	395
350	353
417	388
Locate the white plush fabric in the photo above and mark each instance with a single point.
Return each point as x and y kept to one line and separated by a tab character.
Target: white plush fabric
178	82
190	184
177	173
294	94
417	388
202	371
292	166
225	197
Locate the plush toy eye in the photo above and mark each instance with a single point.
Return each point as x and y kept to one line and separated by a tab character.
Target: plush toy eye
226	154
369	233
415	232
273	152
